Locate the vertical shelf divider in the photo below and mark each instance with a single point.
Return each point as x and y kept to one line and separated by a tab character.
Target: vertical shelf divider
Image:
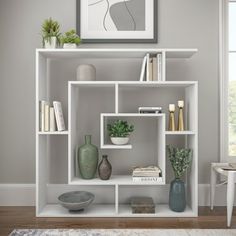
116	98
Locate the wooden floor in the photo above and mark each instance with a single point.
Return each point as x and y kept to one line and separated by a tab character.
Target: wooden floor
24	217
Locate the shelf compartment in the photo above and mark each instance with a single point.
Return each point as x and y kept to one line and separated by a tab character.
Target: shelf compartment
94	210
162	210
114	180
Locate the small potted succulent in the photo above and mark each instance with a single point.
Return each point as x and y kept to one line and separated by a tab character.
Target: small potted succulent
119	132
180	159
70	39
50	33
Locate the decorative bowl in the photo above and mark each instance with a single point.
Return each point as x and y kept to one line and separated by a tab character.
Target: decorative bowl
119	140
76	200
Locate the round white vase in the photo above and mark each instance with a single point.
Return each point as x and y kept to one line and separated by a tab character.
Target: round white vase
119	140
86	72
69	46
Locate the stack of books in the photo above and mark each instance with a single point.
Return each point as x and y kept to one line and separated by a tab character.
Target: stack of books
147	174
151	68
150	110
51	117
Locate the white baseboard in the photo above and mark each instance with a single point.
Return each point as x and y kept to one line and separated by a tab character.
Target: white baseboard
24	195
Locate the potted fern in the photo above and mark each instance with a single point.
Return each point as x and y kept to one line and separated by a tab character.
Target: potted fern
119	132
70	39
50	33
180	159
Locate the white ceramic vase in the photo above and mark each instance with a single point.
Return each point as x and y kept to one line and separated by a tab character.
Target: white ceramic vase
86	72
119	140
69	46
51	44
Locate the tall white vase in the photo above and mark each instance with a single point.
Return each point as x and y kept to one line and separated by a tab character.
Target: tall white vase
52	44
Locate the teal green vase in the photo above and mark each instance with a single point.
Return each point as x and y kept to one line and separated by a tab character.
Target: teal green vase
88	159
177	198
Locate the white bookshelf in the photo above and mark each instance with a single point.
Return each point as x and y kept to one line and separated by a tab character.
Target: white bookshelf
89	106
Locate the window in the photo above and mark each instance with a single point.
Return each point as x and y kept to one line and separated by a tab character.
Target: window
231	79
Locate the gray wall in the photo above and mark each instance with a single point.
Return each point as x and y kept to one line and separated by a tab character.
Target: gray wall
182	23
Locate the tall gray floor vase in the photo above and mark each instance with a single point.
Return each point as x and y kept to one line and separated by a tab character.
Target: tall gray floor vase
177	198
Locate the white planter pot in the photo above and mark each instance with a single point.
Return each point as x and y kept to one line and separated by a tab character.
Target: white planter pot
69	46
52	44
119	141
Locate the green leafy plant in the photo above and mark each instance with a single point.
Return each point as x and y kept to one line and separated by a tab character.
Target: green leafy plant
180	159
70	37
50	28
120	129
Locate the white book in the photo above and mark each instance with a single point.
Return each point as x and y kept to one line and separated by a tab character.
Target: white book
142	74
46	117
159	67
59	116
148	179
150	69
52	122
147	67
42	115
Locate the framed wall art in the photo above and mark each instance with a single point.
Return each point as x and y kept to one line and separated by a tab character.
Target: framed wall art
117	21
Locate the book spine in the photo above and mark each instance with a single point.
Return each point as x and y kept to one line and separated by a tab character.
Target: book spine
142	74
159	67
147	179
42	115
147	66
52	123
150	70
46	120
154	68
59	116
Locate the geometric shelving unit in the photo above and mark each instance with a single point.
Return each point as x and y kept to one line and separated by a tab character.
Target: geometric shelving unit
89	106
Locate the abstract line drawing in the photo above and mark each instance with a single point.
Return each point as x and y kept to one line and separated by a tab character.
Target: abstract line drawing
116	15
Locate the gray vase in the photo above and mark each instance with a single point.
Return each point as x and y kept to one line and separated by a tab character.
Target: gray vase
104	168
88	159
177	198
86	72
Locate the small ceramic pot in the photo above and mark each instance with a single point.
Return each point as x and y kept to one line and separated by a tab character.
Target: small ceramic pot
119	140
86	72
69	46
51	44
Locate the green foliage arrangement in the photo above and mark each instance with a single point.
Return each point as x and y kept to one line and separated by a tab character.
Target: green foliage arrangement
120	129
70	37
50	28
180	159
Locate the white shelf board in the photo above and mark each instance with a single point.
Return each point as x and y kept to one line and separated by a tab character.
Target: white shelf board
114	180
111	146
187	132
162	210
83	52
54	133
94	210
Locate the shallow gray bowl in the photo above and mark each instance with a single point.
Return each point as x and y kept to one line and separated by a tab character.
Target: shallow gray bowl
76	200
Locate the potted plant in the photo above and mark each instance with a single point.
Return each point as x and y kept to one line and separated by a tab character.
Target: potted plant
50	33
180	159
70	39
119	132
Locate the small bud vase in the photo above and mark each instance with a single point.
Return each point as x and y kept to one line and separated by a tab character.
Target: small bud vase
104	168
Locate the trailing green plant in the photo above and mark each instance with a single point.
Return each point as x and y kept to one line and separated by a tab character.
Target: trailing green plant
180	159
120	128
50	28
70	37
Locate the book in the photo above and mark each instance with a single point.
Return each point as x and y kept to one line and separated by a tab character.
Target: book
52	122
150	109
42	115
147	66
154	68
150	171
59	116
46	117
150	78
147	179
143	69
159	67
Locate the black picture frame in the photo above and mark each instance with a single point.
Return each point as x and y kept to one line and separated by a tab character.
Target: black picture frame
99	40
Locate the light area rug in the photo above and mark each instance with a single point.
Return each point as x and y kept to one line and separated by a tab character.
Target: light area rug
123	232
